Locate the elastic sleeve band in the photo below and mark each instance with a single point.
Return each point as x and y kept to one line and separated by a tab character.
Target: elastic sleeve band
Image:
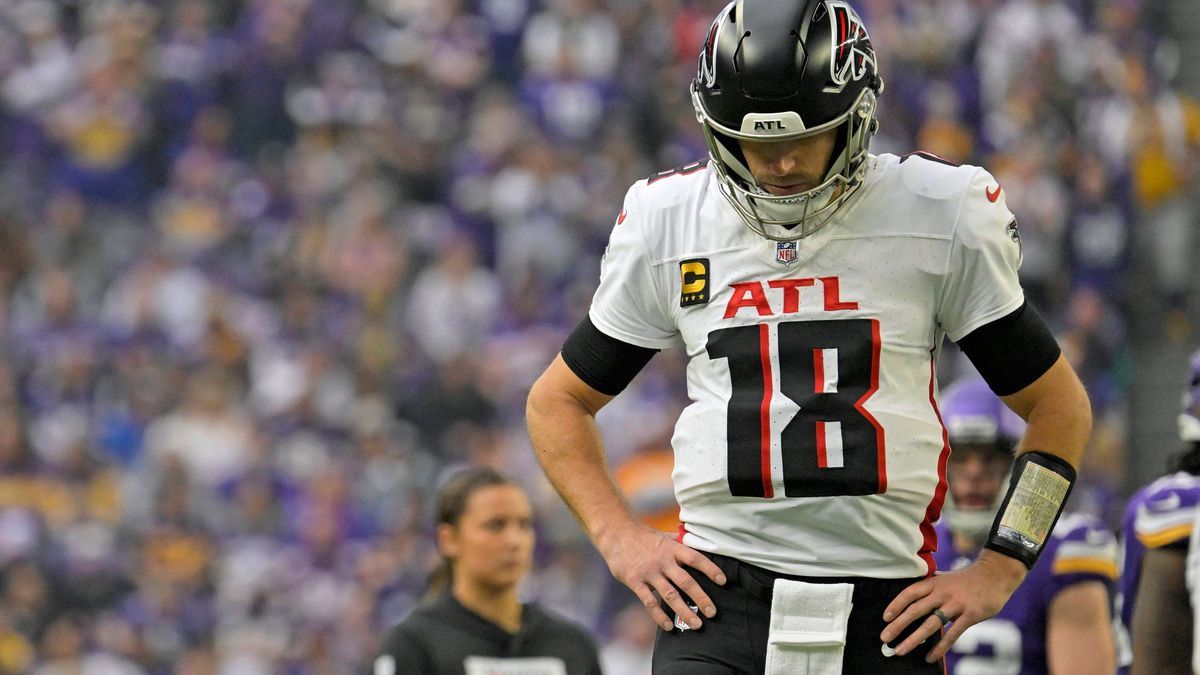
1012	351
605	363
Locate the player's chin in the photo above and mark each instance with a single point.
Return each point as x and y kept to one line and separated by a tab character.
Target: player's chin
508	574
975	503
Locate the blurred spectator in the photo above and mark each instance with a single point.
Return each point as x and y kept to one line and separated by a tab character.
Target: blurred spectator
453	302
572	36
46	70
1099	228
943	132
102	127
210	434
65	649
1153	132
1165	158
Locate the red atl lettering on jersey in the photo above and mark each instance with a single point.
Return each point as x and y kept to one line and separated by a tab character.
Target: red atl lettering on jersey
748	294
791	292
752	294
833	300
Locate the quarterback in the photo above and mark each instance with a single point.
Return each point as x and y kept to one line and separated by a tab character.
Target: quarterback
811	284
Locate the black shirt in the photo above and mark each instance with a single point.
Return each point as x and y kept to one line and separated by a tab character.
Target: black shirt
438	638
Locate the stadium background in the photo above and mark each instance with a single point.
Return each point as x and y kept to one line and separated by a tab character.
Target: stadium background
270	269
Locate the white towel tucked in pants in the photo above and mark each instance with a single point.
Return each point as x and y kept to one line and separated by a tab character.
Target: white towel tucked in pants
808	628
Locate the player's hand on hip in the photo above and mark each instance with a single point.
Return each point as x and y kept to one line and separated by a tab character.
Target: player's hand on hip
650	562
963	598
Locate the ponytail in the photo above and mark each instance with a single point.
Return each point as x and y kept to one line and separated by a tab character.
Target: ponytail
439	580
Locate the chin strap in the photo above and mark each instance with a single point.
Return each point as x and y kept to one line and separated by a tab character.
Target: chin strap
1039	488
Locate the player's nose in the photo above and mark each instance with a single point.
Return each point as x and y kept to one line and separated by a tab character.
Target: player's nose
781	164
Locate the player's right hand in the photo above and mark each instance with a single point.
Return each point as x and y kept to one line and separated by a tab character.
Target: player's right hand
650	562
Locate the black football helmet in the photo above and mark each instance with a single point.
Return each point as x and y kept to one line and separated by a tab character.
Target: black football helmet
774	70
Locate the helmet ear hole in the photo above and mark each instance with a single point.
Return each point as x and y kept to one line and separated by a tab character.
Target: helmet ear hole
840	143
731	155
732	146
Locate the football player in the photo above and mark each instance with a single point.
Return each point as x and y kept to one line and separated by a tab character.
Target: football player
811	284
1153	603
1058	620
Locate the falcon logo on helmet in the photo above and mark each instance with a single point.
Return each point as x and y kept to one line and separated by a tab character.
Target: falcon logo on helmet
853	55
708	67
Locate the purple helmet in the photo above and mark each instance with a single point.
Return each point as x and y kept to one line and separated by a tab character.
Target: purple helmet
974	415
1189	415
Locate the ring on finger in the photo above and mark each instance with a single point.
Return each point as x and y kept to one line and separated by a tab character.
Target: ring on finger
941	616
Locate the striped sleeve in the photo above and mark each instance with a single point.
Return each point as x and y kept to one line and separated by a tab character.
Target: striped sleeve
1084	549
1166	517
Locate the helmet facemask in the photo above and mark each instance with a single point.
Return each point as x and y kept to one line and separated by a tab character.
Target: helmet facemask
975	523
791	217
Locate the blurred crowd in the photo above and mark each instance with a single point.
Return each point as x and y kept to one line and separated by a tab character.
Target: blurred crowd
269	269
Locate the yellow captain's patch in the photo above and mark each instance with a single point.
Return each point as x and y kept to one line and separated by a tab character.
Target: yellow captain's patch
1102	566
693	277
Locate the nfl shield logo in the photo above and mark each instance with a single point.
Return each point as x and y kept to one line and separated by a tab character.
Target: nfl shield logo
785	252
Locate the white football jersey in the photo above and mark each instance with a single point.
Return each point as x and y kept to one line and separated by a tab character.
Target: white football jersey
813	444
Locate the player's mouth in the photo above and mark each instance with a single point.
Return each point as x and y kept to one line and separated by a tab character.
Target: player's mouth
785	189
973	502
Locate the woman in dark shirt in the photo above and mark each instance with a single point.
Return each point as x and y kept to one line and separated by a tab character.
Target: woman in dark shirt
472	621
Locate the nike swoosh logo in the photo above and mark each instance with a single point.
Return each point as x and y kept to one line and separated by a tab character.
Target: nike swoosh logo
621	218
993	196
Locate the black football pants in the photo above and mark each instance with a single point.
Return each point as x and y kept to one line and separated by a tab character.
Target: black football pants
735	640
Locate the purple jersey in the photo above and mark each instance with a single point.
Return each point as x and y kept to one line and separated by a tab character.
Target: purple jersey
1014	641
1160	514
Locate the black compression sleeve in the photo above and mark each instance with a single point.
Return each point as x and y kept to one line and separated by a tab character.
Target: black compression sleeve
605	363
1012	351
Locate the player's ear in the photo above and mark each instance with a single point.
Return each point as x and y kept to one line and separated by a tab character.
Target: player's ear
447	541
